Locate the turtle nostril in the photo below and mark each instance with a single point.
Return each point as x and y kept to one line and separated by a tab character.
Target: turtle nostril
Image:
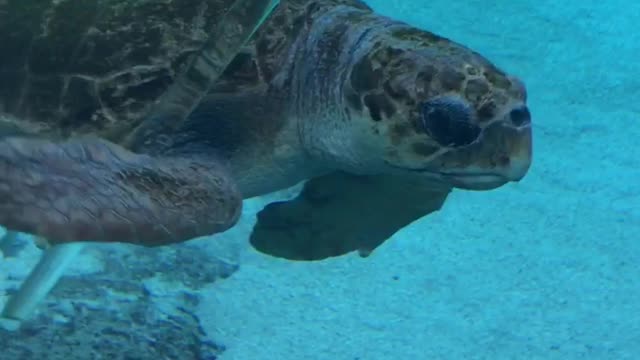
520	115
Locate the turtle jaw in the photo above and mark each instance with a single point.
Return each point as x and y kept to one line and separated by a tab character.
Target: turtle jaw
477	182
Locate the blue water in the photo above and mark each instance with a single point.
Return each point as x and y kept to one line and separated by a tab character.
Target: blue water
548	268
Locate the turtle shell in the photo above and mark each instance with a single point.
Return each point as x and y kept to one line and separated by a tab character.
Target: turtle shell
74	67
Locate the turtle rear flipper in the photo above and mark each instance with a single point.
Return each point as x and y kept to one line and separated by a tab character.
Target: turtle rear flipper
339	213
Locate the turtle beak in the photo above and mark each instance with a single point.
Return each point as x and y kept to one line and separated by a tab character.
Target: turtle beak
520	155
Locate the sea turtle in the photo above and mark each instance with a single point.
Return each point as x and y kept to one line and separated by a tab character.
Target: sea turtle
383	119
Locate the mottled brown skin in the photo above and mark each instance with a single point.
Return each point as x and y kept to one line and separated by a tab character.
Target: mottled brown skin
75	67
100	72
78	80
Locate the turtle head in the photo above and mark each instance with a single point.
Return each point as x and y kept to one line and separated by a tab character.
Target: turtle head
439	109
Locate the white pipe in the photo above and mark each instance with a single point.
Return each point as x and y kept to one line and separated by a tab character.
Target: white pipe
41	280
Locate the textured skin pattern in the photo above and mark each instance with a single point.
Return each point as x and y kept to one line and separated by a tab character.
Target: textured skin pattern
100	71
72	67
95	191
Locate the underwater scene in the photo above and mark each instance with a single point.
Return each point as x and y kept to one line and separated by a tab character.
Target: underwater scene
319	180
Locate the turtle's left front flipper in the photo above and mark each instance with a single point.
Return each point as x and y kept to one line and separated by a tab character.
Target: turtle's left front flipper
339	213
93	190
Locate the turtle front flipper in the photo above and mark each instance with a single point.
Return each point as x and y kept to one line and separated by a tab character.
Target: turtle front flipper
339	213
93	190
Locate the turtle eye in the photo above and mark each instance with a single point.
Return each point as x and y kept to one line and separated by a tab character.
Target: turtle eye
448	120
